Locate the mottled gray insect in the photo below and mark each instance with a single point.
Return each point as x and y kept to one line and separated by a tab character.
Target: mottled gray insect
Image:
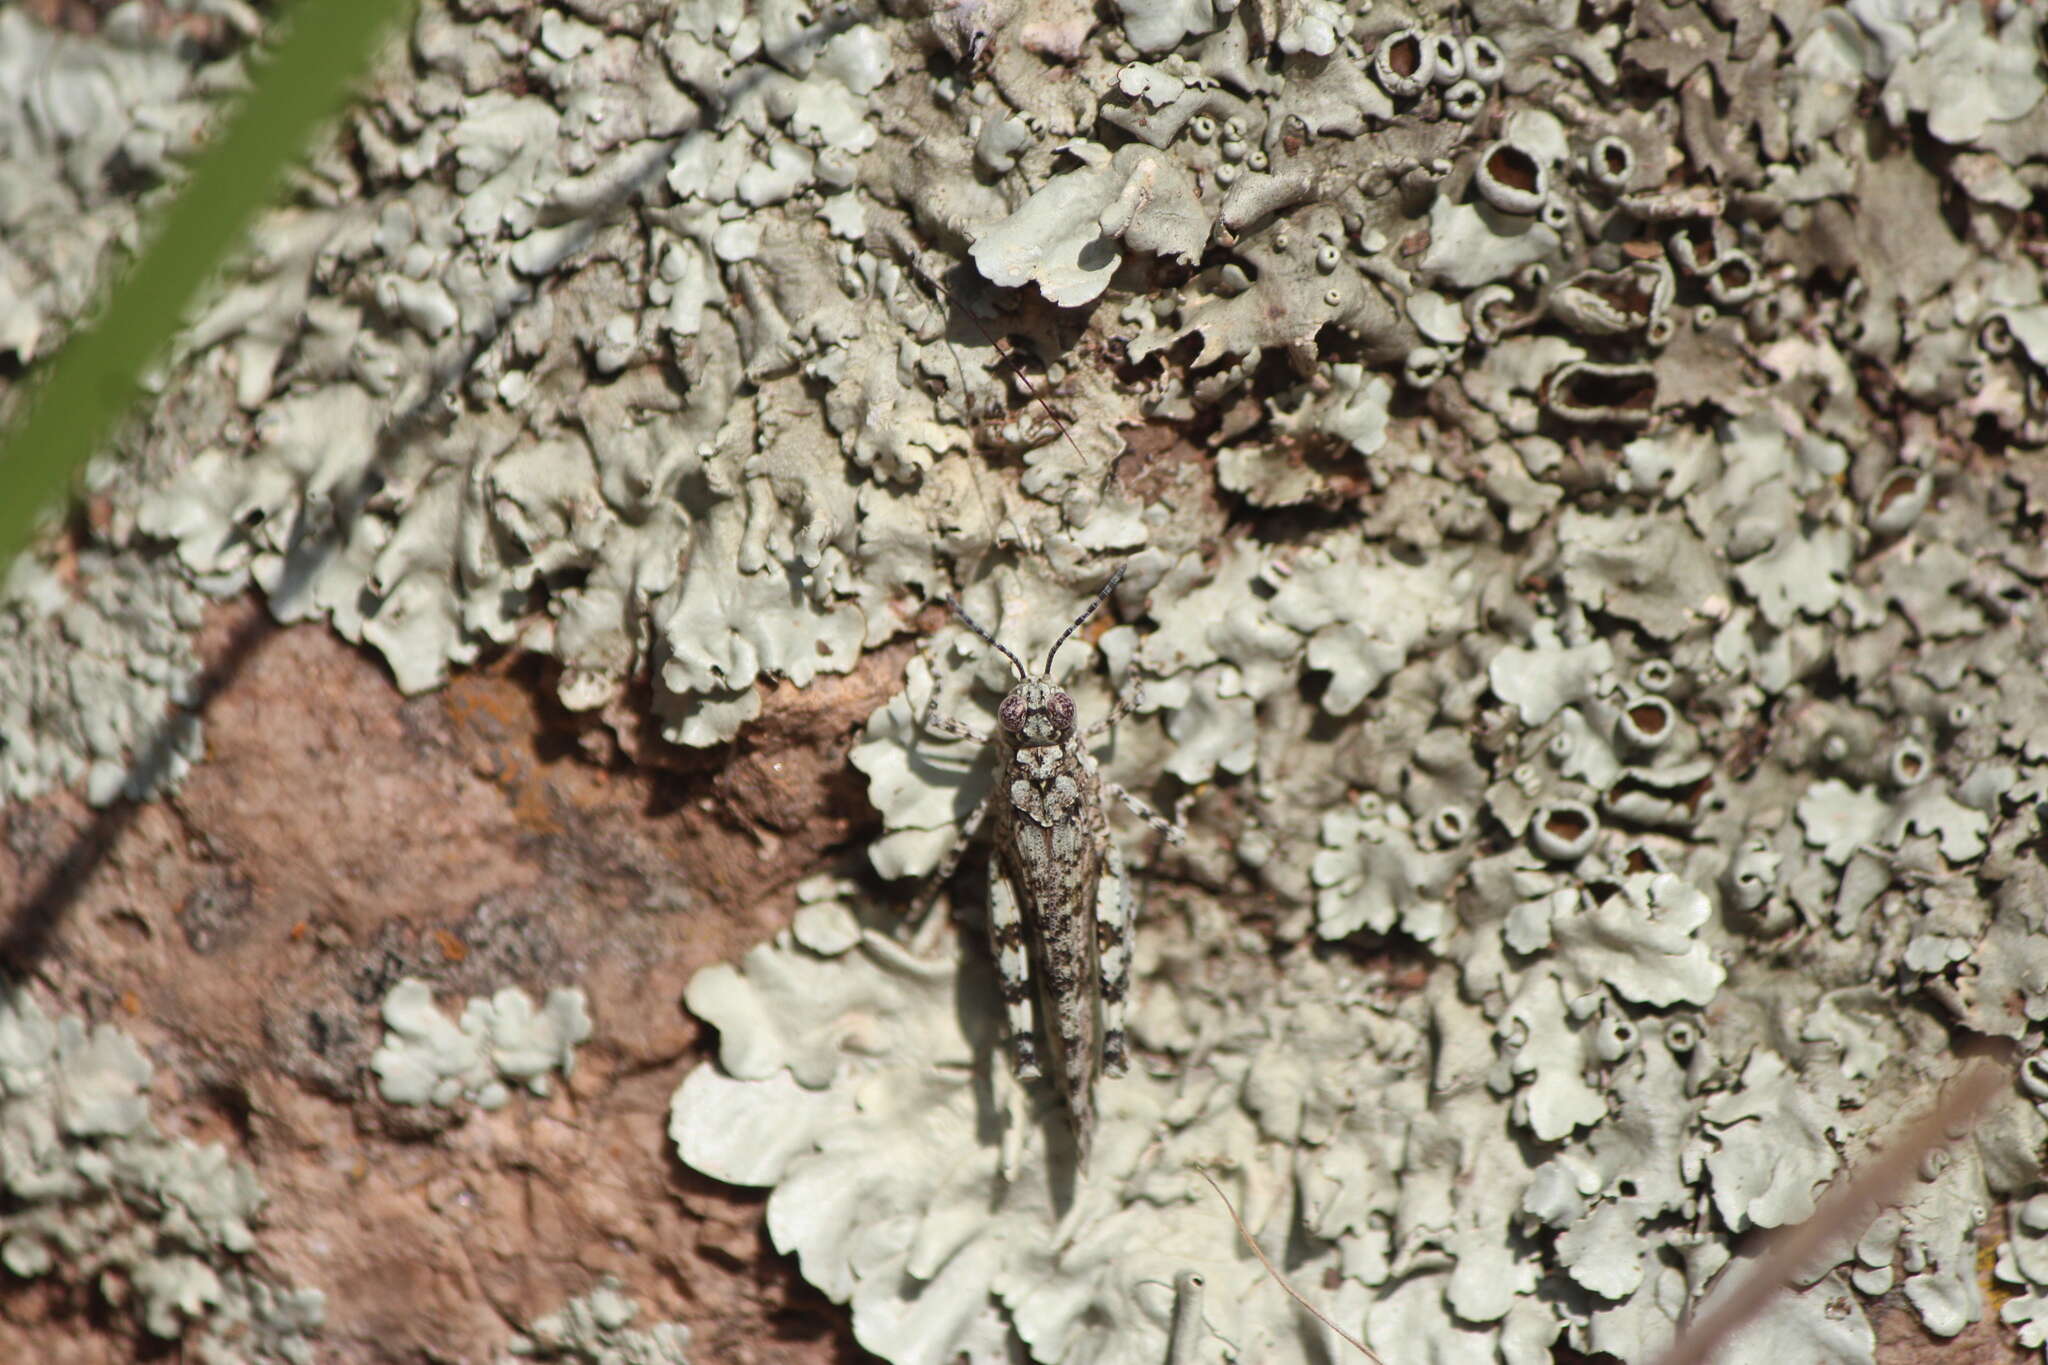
1059	902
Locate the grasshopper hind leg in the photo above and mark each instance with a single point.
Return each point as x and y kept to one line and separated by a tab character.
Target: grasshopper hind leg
1013	972
1114	913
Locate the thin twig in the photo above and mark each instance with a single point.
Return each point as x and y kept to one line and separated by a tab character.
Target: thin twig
1280	1279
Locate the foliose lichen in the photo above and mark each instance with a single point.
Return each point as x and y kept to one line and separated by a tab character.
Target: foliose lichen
499	1042
162	1226
855	1083
1577	545
597	1329
96	655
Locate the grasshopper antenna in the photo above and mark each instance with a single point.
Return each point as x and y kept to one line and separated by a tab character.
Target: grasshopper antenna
1100	593
906	254
998	645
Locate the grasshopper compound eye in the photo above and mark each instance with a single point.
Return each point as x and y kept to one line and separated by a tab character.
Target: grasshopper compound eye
1010	715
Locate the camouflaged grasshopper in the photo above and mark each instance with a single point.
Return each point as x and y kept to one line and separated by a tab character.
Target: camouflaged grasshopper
1059	903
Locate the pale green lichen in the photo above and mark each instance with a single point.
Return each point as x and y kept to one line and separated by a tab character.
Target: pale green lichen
851	1086
499	1042
97	1193
618	343
597	1329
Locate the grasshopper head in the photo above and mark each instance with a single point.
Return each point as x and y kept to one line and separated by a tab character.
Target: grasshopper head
1038	713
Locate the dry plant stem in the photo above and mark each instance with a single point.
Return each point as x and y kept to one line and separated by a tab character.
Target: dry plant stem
1280	1279
1877	1183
